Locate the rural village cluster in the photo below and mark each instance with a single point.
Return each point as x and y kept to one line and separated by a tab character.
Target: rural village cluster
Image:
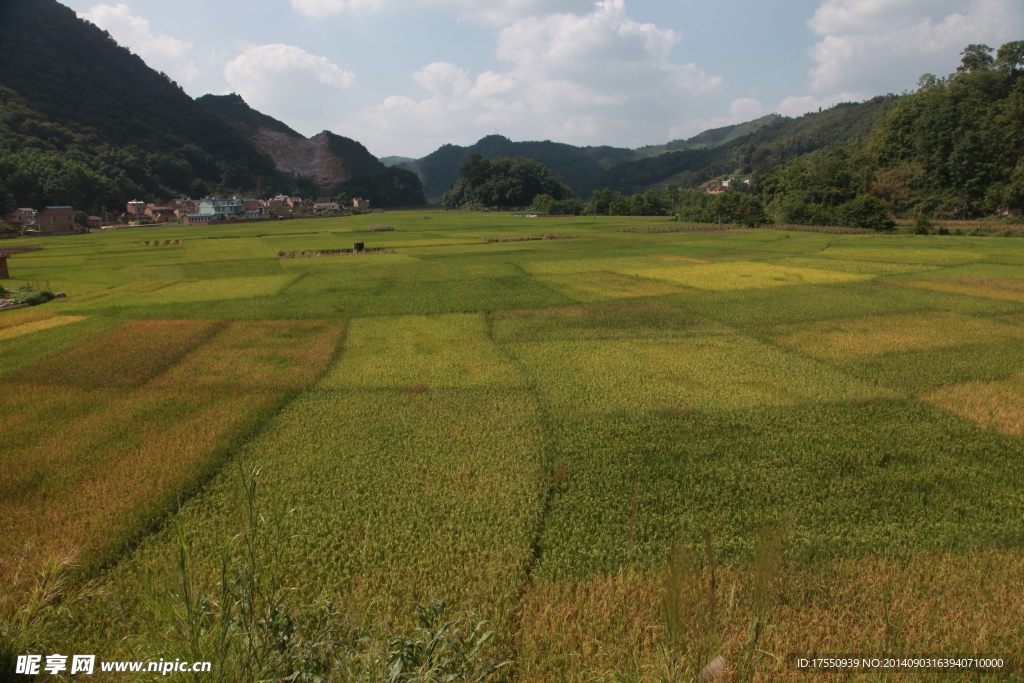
60	220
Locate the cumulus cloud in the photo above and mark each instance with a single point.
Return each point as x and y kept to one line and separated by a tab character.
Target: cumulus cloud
282	80
494	11
160	52
868	47
579	78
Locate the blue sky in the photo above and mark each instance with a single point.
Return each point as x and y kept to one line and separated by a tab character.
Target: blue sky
406	76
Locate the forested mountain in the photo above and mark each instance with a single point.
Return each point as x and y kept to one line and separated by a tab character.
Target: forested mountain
336	164
85	122
712	137
771	144
572	165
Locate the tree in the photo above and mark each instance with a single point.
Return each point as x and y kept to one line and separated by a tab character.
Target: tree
1010	57
975	57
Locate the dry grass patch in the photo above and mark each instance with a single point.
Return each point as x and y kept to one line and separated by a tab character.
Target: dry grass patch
128	355
851	266
589	287
744	275
38	325
997	405
1002	288
861	337
611	628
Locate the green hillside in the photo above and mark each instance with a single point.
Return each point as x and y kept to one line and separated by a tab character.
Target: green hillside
712	137
85	122
246	119
570	164
770	145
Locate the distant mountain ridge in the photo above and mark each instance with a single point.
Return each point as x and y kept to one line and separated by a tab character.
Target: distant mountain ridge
576	166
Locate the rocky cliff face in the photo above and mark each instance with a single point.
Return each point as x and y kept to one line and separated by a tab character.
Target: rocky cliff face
308	157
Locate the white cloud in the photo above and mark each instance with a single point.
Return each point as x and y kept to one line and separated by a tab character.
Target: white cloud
284	81
869	47
583	79
495	11
161	52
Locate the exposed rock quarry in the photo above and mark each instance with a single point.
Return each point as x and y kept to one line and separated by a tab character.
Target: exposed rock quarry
308	157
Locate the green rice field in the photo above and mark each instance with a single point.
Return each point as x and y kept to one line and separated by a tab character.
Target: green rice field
630	453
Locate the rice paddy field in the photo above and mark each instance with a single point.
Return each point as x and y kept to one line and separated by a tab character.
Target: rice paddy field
629	452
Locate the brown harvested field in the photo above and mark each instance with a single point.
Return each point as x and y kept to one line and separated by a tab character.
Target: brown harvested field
126	356
610	628
868	336
1002	288
995	405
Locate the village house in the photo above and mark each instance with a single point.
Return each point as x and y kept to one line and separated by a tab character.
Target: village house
135	209
326	206
56	220
93	221
279	208
222	208
199	218
21	218
361	204
159	214
715	189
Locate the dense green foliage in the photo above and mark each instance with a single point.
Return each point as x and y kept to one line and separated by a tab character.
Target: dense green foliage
771	144
953	148
572	165
503	182
85	122
236	111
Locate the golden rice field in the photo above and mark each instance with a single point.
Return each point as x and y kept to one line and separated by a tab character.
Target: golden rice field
632	457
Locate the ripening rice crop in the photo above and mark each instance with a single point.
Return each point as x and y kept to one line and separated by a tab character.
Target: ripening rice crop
393	498
128	355
199	290
620	264
724	371
995	404
1006	289
851	266
603	286
24	315
612	627
40	324
743	275
898	253
117	452
854	338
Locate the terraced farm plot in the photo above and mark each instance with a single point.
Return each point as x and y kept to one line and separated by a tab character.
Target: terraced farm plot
997	405
855	338
118	454
418	353
588	287
1006	289
744	275
42	324
726	371
196	291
